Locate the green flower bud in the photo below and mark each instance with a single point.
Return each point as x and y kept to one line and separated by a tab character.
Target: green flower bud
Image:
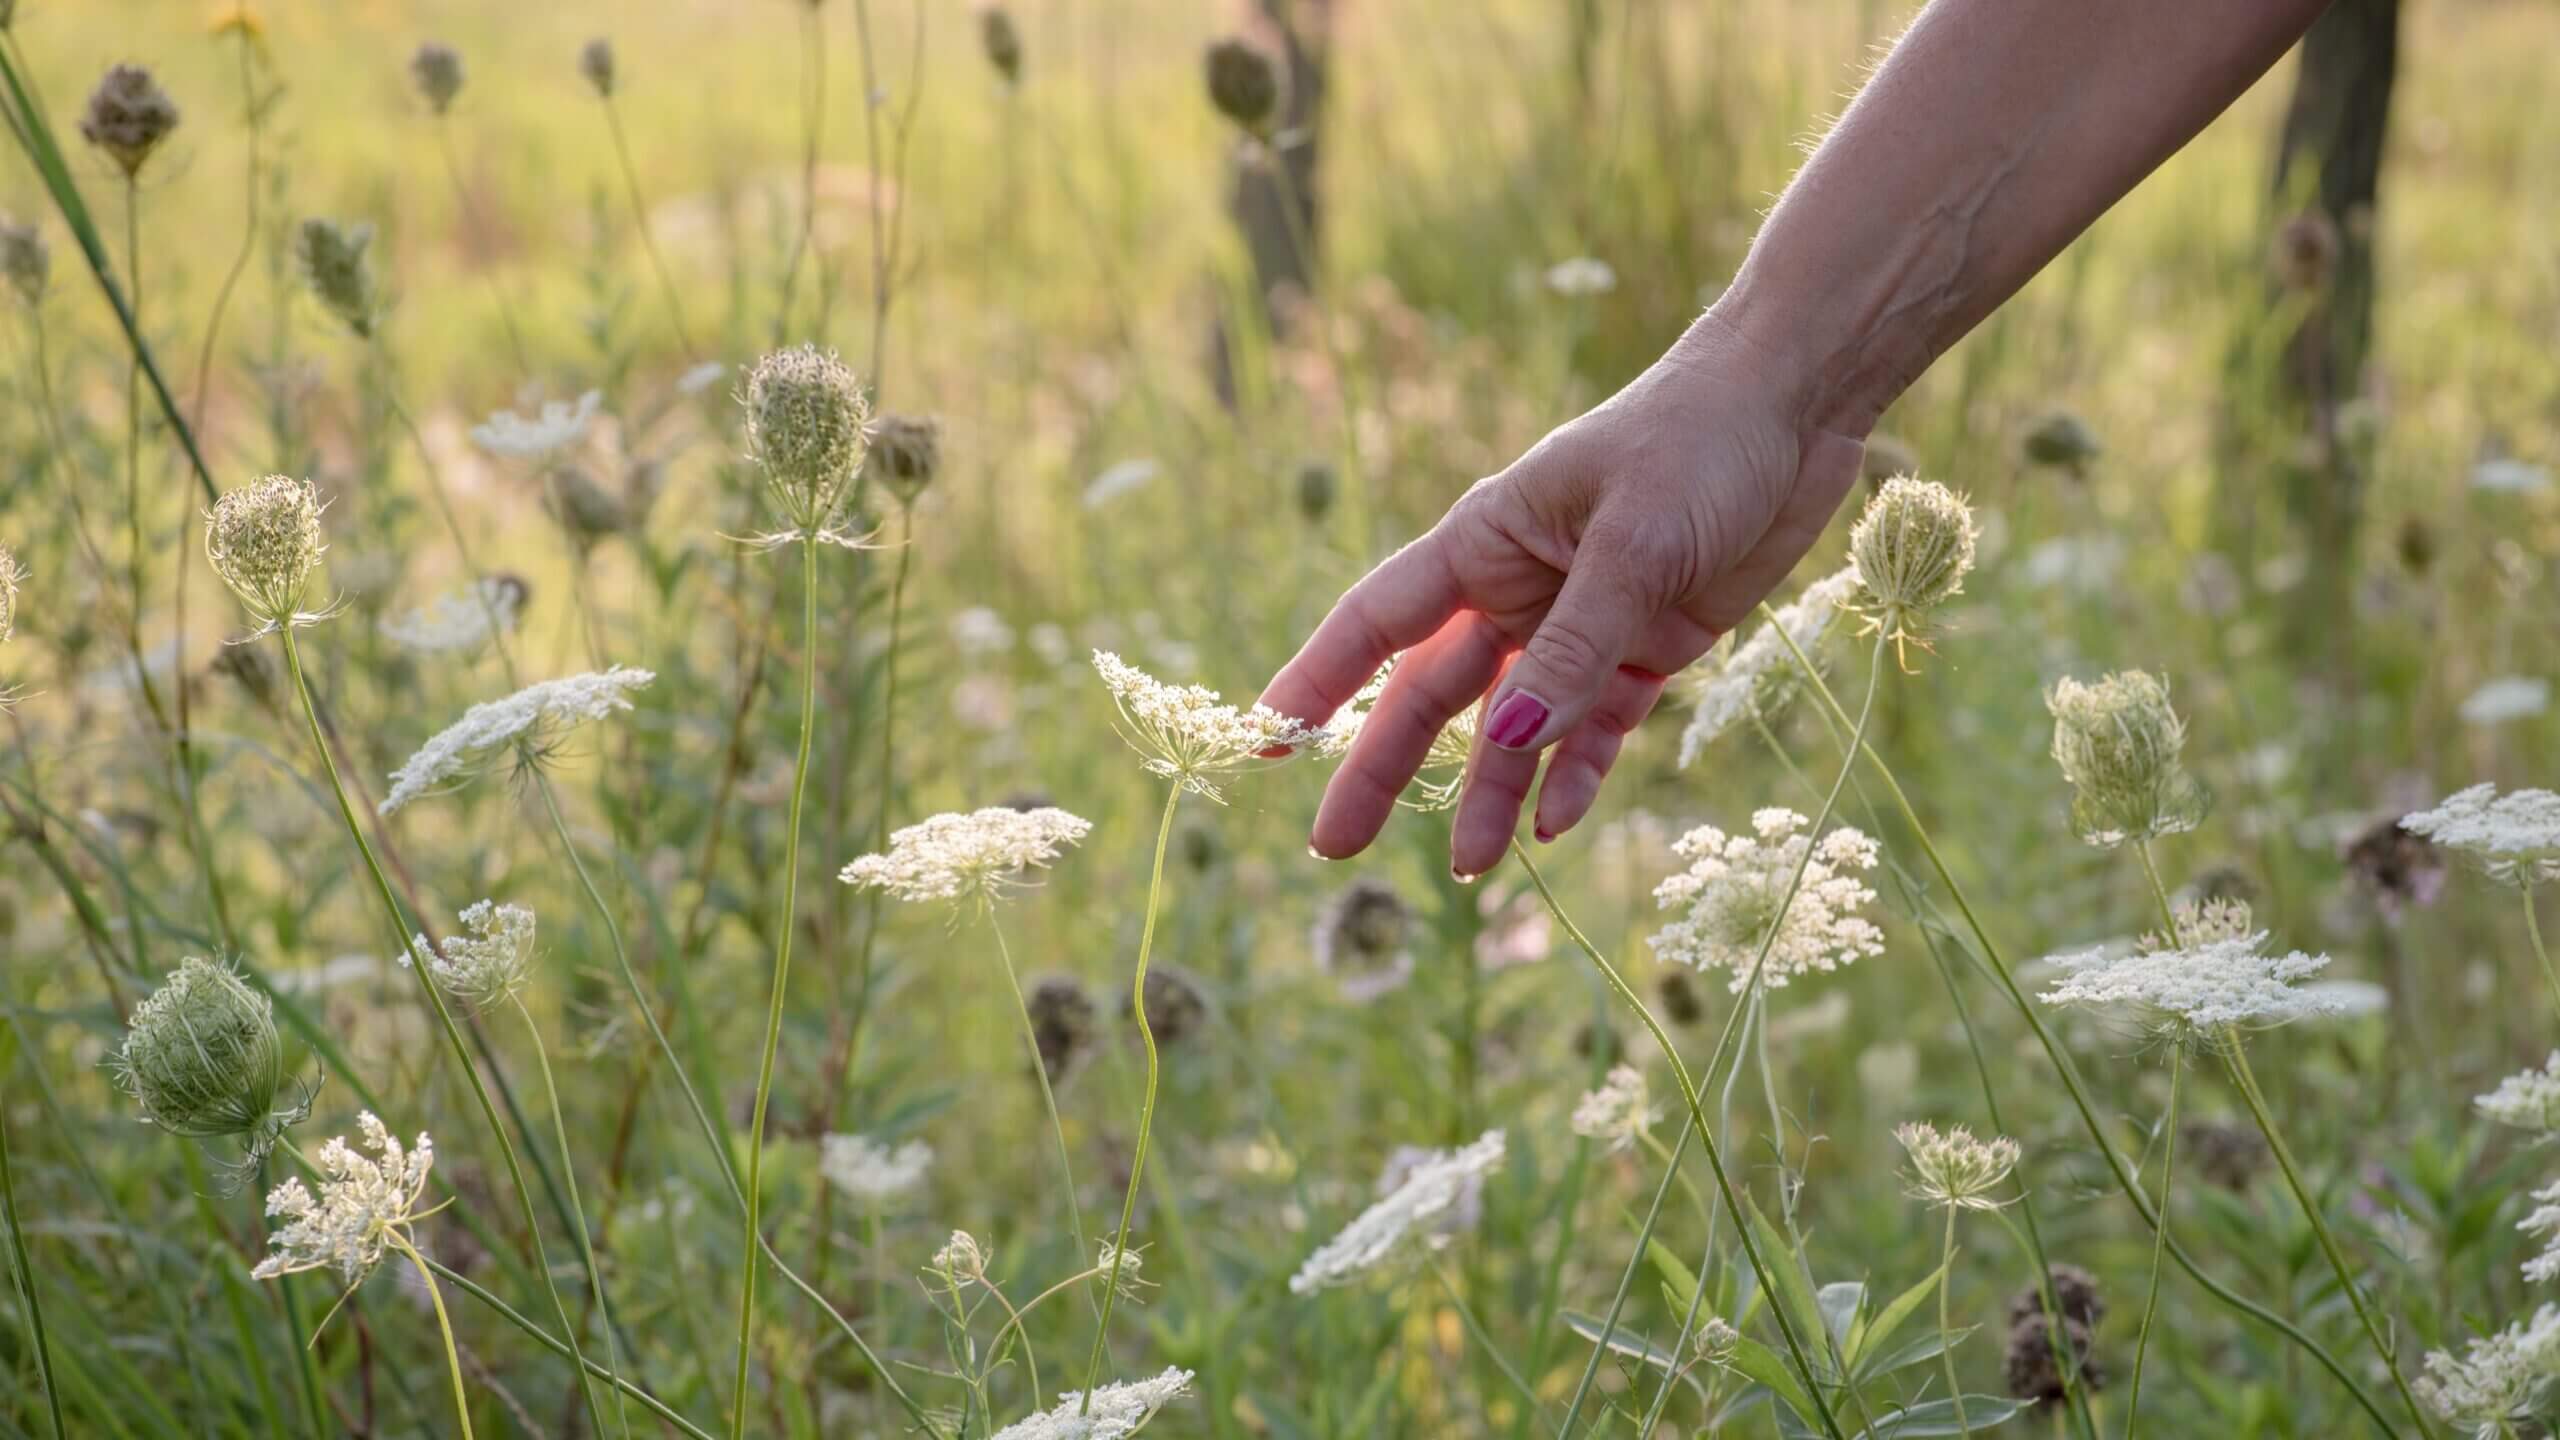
202	1058
264	541
1911	549
808	426
906	453
128	116
25	259
332	259
1244	84
2118	744
595	62
437	69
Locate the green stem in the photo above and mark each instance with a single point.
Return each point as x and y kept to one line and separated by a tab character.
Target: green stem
2159	1235
1662	1152
1946	1331
813	109
788	923
577	1206
463	206
444	1327
1048	1096
1146	1107
552	1343
2533	931
1476	1332
26	1276
640	222
400	933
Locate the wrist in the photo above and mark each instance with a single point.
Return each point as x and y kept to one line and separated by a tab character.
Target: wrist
1832	365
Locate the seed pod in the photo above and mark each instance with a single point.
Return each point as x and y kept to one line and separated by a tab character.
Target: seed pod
128	116
807	425
202	1058
2118	743
906	453
1911	549
437	69
1062	1016
1002	41
331	257
2029	1367
595	62
264	541
1244	84
25	259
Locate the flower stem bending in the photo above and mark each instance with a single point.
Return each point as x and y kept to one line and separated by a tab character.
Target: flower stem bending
2159	1239
444	1327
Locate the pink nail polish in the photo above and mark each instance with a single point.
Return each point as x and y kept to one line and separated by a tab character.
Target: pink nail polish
1546	836
1517	720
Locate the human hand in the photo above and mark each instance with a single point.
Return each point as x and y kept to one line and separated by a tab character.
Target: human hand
1578	580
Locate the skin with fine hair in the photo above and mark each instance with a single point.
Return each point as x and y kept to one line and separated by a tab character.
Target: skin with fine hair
1571	585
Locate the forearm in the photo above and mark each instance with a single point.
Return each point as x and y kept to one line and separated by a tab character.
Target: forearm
1994	133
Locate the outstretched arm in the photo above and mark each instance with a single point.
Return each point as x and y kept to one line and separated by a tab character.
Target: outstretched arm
1617	549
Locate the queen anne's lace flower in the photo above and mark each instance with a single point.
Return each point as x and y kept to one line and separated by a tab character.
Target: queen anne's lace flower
489	962
1954	1168
1756	675
2544	1221
1618	1112
263	539
1187	734
868	1170
10	576
1118	1410
2201	922
2193	992
1436	782
460	622
557	426
1730	895
531	718
2527	1100
365	1206
2500	1378
1406	1220
972	856
2515	837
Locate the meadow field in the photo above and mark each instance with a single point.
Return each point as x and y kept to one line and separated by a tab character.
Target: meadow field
596	600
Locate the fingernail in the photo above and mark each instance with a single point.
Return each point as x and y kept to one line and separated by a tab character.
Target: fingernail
1517	720
1546	836
1461	876
1315	854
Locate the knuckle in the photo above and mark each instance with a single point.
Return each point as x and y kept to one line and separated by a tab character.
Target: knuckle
1567	647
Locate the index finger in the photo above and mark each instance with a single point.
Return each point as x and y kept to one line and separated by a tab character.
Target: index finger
1394	607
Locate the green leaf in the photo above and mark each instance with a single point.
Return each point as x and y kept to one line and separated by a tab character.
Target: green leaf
1622	1341
1839	1302
1792	1293
1880	1327
1676	1277
1938	1417
1761	1364
1922	1349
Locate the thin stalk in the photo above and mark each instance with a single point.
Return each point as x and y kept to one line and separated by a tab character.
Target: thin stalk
550	1342
1662	1152
1146	1107
781	974
444	1327
462	204
401	933
640	222
1293	217
1476	1332
813	110
133	411
1048	1096
471	570
2533	931
2151	1299
24	1269
1946	1330
577	1206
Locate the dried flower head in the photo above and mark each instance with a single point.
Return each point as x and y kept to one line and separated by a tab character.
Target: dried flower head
1733	898
332	259
1117	1411
2230	1153
906	453
1407	1221
263	539
595	65
1177	1008
366	1206
490	962
202	1058
1362	939
1618	1113
1757	676
2118	744
1911	548
1681	1003
437	70
2395	867
529	723
2075	1294
871	1171
557	426
968	858
2514	837
1187	735
128	116
1955	1169
960	1263
2060	440
463	621
1121	1271
1716	1341
25	259
1244	83
2527	1100
1001	40
1062	1023
2194	994
2202	922
2029	1366
2500	1381
808	424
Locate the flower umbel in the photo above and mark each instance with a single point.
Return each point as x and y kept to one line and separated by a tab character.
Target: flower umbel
437	69
263	539
1618	1113
1729	900
10	577
2527	1100
1187	735
490	962
1406	1221
557	426
1361	939
2514	837
331	257
1244	84
1116	1412
808	426
1910	548
1953	1168
906	453
1756	676
2191	993
530	722
366	1206
1436	782
2545	1223
2500	1378
974	856
871	1171
128	116
462	622
2117	742
202	1058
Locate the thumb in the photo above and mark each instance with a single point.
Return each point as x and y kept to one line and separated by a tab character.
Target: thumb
1597	618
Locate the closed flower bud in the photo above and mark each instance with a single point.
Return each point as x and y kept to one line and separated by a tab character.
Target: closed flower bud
595	62
25	259
202	1058
1244	84
808	426
1002	40
2118	743
906	453
331	257
2060	440
128	116
1316	489
1911	549
264	541
437	69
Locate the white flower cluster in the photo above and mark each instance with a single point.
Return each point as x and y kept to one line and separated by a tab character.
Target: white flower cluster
967	856
2527	1100
1438	780
1733	899
488	963
2195	991
1753	674
1187	734
2544	1222
364	1205
1407	1219
868	1170
459	622
2499	1379
1953	1168
531	716
558	426
1618	1112
1118	1410
2515	837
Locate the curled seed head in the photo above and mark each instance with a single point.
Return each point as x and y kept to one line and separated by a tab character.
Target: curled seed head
2060	440
1062	1016
437	69
331	257
264	541
2075	1293
202	1058
1317	486
1244	83
128	116
906	453
2118	743
1911	549
1002	40
808	426
2033	1371
25	259
595	63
